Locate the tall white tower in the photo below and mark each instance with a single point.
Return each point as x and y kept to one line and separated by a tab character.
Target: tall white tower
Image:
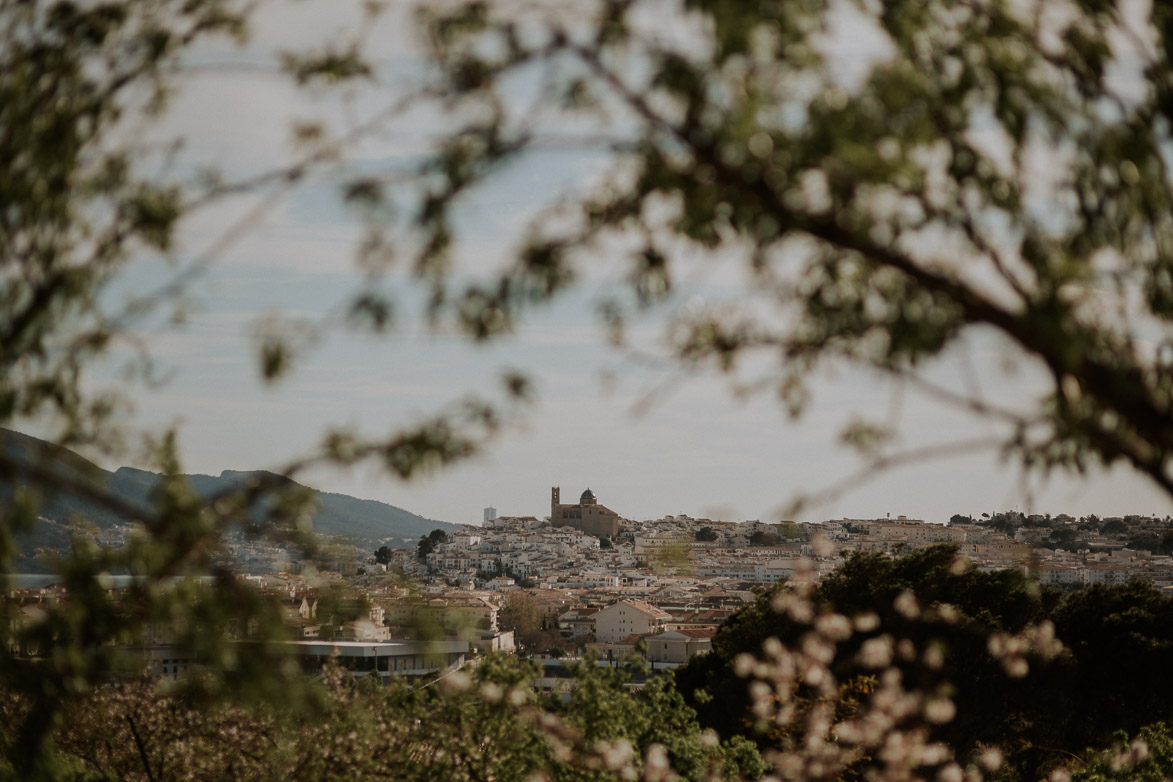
490	514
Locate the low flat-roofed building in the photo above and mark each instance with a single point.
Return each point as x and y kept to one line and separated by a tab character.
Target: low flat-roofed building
393	658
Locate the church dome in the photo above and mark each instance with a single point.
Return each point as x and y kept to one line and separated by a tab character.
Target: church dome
587	498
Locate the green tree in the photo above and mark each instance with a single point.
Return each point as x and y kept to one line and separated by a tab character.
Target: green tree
487	725
1146	758
762	538
1064	538
655	714
424	547
1114	632
1037	714
520	613
383	555
89	191
789	530
1006	523
1114	527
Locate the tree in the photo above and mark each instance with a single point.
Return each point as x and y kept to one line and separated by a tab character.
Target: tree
424	547
520	613
1006	523
789	530
1112	631
1064	538
88	191
1148	757
487	725
706	534
763	538
383	555
1114	527
1036	712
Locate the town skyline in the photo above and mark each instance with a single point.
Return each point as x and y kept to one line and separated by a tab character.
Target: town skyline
651	507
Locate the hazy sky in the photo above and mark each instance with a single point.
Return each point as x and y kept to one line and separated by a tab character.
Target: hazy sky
648	440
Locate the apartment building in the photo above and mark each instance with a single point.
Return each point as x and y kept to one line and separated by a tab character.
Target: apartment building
628	617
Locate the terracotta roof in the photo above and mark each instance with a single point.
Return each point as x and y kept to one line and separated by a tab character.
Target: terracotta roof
648	608
635	638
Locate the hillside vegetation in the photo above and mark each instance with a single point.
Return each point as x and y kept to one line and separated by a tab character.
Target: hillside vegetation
63	515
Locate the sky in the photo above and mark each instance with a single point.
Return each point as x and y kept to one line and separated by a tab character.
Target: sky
648	439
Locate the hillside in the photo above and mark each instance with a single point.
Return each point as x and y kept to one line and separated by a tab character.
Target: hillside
362	521
366	523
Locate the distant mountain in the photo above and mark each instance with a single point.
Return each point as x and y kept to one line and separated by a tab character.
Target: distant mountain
364	522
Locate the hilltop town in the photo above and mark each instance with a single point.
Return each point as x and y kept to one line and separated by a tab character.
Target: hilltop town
586	579
575	552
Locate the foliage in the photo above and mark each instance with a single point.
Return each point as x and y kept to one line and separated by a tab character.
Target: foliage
941	627
763	538
519	612
1114	527
487	726
874	585
1006	523
87	191
182	591
673	557
1066	538
1146	758
606	713
1121	639
59	513
429	542
91	188
789	530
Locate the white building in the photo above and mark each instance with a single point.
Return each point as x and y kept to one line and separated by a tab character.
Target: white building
628	617
676	646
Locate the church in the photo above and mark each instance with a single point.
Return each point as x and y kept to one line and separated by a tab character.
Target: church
588	515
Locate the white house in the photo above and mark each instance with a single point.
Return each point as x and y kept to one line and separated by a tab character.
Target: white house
676	646
627	617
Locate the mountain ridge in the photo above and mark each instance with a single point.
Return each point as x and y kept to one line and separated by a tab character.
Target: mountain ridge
364	522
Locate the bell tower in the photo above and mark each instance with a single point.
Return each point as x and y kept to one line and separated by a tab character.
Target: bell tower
554	498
